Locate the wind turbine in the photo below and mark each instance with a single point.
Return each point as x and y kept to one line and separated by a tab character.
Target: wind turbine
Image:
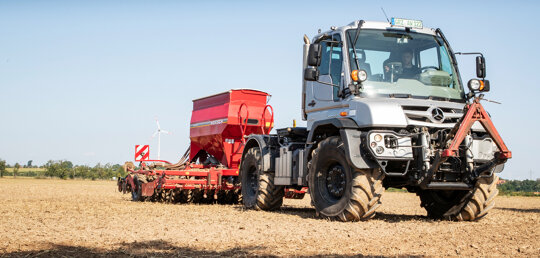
158	132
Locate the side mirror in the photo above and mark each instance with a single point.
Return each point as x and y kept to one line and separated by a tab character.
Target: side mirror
480	67
314	55
311	74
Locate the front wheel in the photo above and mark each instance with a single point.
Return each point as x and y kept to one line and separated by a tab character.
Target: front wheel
337	190
461	205
258	189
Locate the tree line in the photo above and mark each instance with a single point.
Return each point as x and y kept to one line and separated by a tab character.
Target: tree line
525	186
65	169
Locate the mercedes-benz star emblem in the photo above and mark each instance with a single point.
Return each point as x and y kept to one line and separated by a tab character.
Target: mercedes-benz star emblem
437	114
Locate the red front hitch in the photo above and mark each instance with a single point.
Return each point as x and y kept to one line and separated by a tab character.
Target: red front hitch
473	112
476	112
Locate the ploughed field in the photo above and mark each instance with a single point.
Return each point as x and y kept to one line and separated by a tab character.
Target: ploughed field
88	218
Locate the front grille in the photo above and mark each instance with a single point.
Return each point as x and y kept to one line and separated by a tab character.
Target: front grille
424	114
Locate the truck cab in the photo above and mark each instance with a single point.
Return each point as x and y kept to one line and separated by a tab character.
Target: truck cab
382	101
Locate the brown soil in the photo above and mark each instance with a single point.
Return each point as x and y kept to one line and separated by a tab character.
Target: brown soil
90	218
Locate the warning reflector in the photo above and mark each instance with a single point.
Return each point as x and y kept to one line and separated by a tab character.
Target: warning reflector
142	152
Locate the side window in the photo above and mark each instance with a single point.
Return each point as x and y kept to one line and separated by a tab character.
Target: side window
445	61
336	60
332	62
324	68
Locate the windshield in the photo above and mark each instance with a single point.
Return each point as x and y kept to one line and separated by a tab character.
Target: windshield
403	63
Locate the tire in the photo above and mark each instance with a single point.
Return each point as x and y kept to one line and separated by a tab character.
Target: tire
119	184
258	189
461	205
136	192
124	186
337	190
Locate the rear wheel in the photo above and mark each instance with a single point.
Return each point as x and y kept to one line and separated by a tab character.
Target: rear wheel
337	190
258	189
461	205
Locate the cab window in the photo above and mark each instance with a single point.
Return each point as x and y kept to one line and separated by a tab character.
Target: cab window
332	61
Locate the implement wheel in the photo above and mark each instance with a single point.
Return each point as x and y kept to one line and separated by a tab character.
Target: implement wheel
124	186
119	183
258	189
461	205
337	190
136	191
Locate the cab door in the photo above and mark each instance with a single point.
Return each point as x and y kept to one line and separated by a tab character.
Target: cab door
322	95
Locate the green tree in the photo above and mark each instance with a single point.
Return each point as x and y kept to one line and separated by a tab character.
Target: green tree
29	164
16	169
60	168
520	186
64	169
2	167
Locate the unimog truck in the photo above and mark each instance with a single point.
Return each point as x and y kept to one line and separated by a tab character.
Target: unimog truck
385	107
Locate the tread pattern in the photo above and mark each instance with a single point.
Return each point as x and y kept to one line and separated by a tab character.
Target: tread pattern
268	196
473	206
481	201
366	190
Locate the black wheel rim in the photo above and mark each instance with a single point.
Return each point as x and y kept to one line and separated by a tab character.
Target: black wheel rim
252	181
335	181
332	182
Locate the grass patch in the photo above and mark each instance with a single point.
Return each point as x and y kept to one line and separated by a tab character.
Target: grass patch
22	170
528	194
397	190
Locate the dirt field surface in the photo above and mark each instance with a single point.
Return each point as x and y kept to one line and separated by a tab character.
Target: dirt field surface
55	218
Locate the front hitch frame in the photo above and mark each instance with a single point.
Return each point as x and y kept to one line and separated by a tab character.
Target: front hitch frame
473	112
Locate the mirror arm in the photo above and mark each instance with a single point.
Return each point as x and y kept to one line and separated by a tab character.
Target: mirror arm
477	63
469	53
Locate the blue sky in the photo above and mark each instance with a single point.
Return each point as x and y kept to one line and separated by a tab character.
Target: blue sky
83	80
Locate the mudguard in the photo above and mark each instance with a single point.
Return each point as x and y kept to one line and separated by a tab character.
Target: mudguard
350	136
339	123
266	145
352	140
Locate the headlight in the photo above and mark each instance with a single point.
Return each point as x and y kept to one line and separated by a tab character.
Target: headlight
474	85
359	75
362	75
